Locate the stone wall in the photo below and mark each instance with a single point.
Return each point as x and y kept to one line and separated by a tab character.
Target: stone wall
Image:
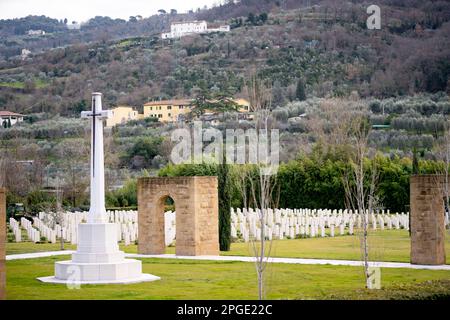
196	205
2	243
427	220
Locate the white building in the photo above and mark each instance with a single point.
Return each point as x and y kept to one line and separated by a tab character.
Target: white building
25	53
74	26
180	29
224	28
36	32
8	117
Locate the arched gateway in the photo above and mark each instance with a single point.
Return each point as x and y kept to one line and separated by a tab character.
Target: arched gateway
197	225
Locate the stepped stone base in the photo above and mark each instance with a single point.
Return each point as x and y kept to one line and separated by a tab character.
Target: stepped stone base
143	278
98	260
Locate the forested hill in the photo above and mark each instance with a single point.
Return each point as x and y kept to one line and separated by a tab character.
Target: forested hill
326	45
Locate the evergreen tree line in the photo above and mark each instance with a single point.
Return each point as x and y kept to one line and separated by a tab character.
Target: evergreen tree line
313	182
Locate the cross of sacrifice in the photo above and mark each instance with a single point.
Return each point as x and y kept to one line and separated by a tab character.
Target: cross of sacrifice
97	211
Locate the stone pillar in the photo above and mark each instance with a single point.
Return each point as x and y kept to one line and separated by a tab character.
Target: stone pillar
427	220
207	216
2	243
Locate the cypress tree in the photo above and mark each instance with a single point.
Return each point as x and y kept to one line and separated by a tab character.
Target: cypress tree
300	91
415	164
224	207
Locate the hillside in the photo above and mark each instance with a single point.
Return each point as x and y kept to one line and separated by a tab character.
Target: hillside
327	46
321	64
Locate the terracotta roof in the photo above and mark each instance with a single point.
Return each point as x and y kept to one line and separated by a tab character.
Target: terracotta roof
169	102
10	114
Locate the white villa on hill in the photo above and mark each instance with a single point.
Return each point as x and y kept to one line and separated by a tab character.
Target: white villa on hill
8	117
32	32
180	29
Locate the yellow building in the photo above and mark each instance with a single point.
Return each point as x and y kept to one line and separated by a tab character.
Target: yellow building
167	110
122	114
170	110
245	105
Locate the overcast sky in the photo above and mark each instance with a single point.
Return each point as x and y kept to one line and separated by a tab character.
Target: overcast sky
82	10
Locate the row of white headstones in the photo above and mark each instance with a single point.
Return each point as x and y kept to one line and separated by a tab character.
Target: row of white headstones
295	223
245	224
45	225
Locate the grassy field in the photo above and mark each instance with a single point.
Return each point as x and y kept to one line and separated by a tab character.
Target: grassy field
189	279
387	245
20	84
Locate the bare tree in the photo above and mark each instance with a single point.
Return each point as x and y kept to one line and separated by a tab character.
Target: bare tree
262	182
59	213
243	176
73	154
360	184
54	212
446	164
330	125
21	167
443	153
3	168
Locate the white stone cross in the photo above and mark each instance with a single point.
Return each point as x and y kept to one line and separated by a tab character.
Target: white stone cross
97	211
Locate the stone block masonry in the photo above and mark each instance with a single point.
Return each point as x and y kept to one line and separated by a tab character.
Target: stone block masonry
197	217
427	219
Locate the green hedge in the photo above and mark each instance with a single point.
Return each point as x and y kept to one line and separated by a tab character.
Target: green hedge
317	183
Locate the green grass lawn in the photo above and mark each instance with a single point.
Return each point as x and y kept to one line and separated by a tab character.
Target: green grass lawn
192	279
387	245
189	279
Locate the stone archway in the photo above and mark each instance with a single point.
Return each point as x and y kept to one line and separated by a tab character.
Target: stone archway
197	225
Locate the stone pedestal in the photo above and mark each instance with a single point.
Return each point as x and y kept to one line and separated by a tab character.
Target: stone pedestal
427	220
97	244
2	243
98	259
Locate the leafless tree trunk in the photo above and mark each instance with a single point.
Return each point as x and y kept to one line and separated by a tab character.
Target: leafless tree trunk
3	171
262	194
59	214
260	96
74	155
444	155
56	213
359	196
240	178
446	164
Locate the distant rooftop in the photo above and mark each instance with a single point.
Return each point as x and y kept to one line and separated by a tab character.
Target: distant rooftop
192	21
169	102
5	113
